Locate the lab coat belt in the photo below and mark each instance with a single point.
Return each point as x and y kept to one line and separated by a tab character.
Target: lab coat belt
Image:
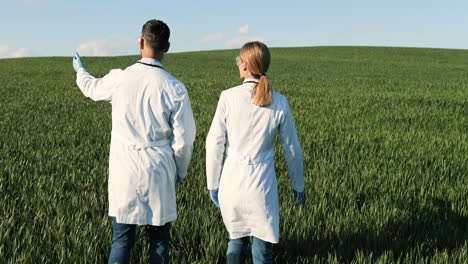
151	144
144	145
259	158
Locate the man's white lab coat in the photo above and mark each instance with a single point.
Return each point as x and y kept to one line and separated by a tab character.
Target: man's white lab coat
153	130
248	194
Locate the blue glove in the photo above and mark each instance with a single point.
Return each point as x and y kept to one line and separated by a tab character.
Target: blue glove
178	179
214	197
299	197
77	63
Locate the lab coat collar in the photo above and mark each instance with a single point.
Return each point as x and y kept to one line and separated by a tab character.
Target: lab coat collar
151	61
247	80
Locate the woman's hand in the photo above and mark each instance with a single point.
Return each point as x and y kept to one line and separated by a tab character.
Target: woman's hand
214	197
178	180
299	196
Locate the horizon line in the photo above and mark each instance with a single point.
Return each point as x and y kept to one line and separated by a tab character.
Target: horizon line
271	47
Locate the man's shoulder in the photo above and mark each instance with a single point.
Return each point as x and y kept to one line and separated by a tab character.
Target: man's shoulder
172	85
161	75
157	78
171	79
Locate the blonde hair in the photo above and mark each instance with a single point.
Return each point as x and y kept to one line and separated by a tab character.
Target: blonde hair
256	55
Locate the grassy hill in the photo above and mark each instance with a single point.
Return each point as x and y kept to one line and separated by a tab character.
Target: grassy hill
383	132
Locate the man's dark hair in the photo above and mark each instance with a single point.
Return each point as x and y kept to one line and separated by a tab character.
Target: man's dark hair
156	34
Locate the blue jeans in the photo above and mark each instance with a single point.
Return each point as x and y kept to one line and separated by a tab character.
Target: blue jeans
261	250
124	239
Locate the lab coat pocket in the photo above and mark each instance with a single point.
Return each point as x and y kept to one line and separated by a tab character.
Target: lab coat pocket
162	166
271	193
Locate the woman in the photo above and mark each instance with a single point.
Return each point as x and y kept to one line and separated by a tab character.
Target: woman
245	124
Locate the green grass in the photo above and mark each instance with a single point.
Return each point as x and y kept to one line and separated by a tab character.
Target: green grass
383	132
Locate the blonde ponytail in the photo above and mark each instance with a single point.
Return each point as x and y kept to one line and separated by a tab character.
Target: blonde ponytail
262	94
256	55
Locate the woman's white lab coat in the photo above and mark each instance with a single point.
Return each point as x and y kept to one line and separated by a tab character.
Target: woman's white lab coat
153	130
248	194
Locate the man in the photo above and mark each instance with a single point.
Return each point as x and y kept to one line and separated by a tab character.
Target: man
153	130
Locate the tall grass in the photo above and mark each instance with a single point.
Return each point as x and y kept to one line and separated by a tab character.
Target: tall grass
383	132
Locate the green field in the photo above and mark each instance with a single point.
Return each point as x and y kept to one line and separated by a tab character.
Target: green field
383	132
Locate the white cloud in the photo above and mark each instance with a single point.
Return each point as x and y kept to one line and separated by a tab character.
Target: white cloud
212	37
237	42
110	46
3	50
22	52
232	40
9	52
243	29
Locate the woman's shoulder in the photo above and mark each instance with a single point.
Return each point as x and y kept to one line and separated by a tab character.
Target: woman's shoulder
232	90
279	98
278	95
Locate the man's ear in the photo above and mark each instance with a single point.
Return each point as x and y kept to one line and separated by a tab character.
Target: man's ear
142	43
167	49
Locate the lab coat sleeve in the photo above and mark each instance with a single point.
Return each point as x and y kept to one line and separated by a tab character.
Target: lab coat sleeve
291	149
215	144
183	130
98	89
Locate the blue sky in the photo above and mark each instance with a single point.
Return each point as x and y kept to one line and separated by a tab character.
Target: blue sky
112	27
